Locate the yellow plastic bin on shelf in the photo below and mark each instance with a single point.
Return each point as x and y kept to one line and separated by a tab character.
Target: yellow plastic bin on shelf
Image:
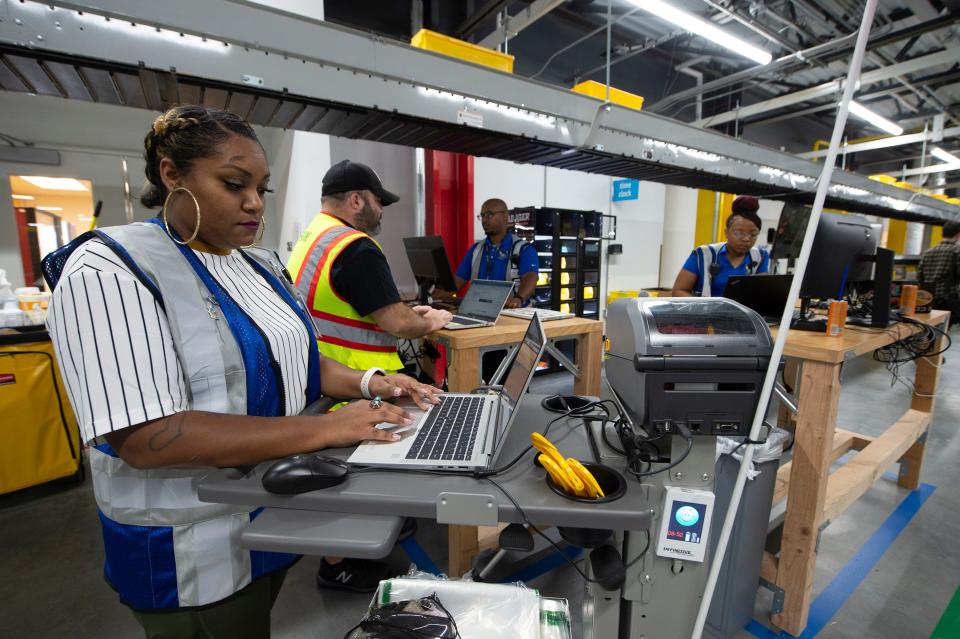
599	91
433	41
886	179
41	441
616	295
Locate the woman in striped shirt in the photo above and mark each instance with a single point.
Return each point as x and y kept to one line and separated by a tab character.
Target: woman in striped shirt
181	348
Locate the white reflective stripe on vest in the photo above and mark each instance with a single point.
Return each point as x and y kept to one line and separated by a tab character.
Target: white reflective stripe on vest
756	257
312	261
159	497
363	336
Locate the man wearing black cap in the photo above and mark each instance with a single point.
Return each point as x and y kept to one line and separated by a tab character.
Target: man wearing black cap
706	271
343	276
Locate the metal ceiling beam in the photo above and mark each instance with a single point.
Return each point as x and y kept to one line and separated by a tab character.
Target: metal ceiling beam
820	54
512	25
473	22
831	87
887	143
936	168
390	92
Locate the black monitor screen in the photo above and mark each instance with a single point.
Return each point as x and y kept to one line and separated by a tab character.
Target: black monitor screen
842	254
790	231
428	259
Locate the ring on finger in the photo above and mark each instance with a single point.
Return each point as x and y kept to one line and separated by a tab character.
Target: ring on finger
376	403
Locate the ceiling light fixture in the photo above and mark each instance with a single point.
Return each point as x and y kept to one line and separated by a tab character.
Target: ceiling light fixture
875	119
946	156
22	197
54	184
705	28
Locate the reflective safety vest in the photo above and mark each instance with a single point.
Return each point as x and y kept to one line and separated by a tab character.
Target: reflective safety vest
755	258
352	339
165	548
513	263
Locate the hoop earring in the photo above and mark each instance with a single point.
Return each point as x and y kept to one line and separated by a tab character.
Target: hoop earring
263	226
163	215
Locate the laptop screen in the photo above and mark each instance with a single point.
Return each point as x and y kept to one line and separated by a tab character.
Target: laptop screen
524	363
485	299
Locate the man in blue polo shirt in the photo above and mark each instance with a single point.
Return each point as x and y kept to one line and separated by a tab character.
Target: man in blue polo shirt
501	256
706	271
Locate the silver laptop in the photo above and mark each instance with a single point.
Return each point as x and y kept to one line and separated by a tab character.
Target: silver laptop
481	305
463	431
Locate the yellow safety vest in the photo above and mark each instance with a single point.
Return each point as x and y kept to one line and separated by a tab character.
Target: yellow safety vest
345	335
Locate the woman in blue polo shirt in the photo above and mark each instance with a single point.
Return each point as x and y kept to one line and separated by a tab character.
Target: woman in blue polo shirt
706	271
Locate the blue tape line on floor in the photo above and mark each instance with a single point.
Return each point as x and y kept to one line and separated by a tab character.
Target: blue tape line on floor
543	566
419	556
835	595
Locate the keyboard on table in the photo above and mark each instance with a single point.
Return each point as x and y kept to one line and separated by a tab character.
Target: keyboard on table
450	430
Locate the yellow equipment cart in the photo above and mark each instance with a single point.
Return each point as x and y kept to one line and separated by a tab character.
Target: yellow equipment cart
41	439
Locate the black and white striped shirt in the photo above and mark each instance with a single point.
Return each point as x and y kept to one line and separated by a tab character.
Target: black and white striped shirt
115	349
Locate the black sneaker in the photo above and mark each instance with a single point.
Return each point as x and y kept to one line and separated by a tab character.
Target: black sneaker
355	575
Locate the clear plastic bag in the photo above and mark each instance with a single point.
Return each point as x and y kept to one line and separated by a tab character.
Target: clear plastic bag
555	619
772	449
480	610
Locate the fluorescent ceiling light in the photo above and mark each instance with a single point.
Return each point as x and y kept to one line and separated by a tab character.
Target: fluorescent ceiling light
22	197
704	28
940	154
49	208
875	119
54	184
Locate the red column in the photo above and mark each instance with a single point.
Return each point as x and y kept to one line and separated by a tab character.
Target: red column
448	200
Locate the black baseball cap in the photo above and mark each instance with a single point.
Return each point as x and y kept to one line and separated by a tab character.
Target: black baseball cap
352	176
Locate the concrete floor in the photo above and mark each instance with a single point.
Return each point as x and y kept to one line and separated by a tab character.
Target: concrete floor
51	554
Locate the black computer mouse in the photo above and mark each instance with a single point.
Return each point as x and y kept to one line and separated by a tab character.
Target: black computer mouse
303	473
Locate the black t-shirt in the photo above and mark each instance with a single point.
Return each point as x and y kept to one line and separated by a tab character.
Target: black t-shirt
361	275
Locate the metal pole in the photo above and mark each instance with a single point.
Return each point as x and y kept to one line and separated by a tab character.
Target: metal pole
609	29
826	173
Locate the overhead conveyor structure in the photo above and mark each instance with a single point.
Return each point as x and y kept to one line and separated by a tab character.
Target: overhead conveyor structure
283	70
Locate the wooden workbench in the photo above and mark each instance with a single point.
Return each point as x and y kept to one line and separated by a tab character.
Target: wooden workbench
814	495
464	348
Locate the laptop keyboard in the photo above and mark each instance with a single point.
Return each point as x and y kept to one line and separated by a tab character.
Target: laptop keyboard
460	319
450	430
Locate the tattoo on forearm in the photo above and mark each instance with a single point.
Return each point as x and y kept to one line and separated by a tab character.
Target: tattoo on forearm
170	432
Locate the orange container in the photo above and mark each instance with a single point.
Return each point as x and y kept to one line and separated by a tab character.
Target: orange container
836	317
908	299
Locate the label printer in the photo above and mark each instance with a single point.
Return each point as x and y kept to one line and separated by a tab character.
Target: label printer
696	360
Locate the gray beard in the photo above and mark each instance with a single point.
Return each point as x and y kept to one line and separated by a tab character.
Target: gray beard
368	221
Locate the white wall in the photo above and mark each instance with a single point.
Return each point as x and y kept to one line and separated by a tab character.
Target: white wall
639	222
640	226
679	226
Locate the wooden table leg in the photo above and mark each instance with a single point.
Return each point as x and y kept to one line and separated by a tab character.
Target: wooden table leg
464	376
589	356
925	389
791	373
464	371
816	422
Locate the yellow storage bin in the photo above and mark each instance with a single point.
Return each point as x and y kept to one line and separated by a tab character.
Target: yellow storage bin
905	185
599	91
565	308
41	440
588	292
886	179
954	200
543	279
433	41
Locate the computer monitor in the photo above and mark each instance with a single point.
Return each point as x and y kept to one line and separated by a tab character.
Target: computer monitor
789	233
842	255
428	259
